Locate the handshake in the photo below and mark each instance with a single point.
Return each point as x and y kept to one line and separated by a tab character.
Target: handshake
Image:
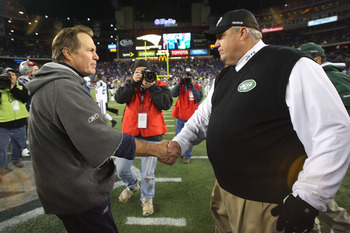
166	151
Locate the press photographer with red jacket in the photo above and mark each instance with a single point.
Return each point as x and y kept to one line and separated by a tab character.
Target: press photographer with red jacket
189	97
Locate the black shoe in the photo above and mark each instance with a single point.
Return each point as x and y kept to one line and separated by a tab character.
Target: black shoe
113	123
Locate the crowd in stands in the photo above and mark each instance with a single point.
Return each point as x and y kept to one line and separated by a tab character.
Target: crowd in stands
323	35
204	67
204	70
335	39
24	48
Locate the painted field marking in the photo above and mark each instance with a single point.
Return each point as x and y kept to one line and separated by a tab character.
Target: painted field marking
179	222
21	218
40	211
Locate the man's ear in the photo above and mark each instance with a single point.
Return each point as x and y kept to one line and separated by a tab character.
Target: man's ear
318	59
67	53
243	32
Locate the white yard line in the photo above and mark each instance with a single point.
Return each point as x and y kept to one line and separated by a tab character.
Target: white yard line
179	222
199	157
139	221
21	218
168	179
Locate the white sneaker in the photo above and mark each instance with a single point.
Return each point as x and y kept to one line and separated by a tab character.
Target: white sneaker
127	193
147	206
25	152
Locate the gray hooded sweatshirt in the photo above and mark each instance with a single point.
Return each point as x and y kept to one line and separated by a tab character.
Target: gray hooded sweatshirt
70	143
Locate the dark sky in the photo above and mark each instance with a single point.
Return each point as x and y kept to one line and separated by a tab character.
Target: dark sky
151	9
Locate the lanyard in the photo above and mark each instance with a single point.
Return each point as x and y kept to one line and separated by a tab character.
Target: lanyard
142	97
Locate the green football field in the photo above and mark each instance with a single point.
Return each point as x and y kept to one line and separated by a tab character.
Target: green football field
181	201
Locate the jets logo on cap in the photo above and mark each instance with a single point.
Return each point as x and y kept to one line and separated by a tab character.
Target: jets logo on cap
247	85
219	21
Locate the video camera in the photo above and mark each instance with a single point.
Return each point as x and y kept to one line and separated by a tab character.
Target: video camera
5	81
187	80
148	75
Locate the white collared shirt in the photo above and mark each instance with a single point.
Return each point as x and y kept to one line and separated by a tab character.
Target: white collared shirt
319	119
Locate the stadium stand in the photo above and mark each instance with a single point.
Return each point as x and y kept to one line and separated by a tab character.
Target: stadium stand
18	41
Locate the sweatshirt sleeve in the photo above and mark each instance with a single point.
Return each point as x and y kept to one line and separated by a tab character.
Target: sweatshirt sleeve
127	148
19	94
79	117
161	96
175	90
125	92
197	94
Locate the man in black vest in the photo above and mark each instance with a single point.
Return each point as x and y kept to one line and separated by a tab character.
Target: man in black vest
277	133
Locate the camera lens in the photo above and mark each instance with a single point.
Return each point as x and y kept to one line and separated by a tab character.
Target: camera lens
149	76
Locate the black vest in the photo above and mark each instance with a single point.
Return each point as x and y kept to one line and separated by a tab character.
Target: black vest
251	143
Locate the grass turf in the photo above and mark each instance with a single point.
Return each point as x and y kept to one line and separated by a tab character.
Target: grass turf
188	199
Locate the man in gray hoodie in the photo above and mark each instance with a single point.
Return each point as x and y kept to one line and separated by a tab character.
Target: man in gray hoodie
71	143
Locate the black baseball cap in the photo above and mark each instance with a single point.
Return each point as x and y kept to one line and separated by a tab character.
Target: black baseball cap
143	63
239	17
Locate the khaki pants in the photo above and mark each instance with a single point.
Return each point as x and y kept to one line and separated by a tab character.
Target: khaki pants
236	215
335	217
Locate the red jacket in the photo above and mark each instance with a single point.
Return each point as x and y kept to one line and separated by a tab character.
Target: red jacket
185	105
155	119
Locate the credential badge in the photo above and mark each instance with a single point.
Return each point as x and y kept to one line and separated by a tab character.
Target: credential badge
246	85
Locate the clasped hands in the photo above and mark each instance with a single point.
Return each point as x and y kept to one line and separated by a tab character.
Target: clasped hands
168	152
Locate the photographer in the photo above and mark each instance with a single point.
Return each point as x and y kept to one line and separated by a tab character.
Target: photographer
13	119
145	98
190	95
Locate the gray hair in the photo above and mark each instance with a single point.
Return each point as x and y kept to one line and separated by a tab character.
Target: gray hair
253	33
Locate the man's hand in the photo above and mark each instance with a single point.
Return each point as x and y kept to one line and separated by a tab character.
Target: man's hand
160	150
137	77
295	215
174	150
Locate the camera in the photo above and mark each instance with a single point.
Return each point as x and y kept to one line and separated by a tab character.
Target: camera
187	80
148	75
5	81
